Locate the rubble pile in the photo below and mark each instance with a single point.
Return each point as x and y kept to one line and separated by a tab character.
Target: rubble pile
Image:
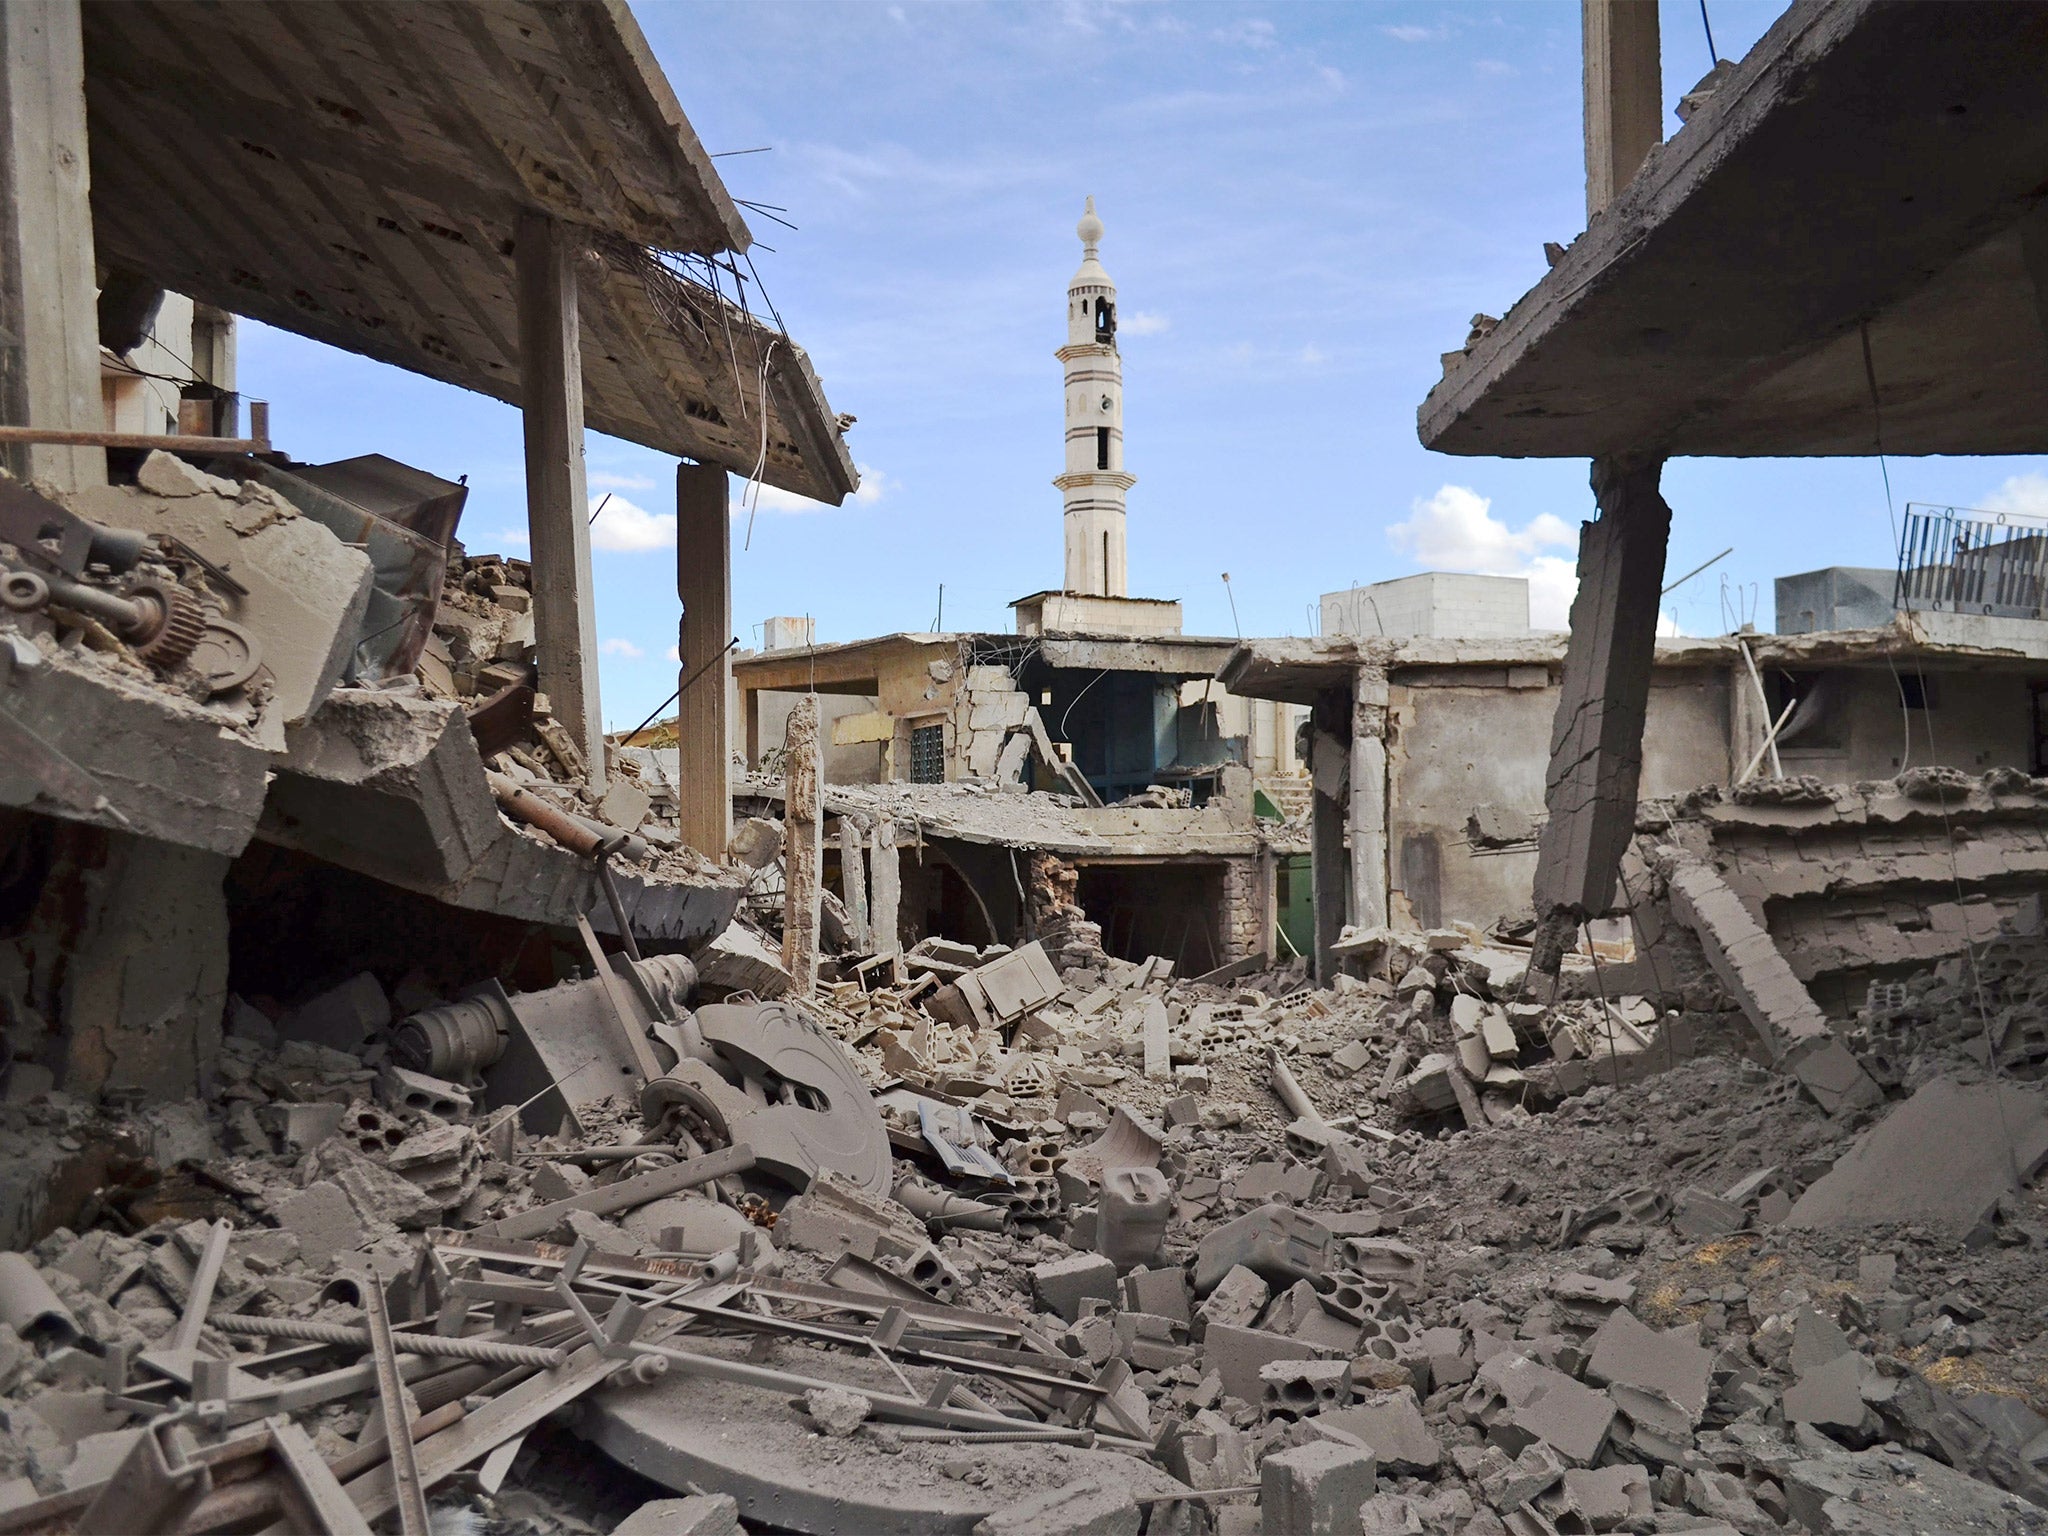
1010	1249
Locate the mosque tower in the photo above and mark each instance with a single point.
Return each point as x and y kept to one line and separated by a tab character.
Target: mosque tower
1094	482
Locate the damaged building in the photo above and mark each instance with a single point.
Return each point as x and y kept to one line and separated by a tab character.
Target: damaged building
1086	1081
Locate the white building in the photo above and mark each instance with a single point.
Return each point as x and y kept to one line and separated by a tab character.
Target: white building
1441	605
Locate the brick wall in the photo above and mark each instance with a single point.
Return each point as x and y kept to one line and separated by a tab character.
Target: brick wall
1244	907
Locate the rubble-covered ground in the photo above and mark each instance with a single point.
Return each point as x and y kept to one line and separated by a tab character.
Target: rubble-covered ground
1500	1266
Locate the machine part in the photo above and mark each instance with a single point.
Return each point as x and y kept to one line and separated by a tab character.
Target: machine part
30	1307
59	539
632	1029
942	1208
456	1040
23	591
321	1491
177	1359
411	1493
227	655
166	638
822	1113
427	1345
575	833
627	1193
158	1483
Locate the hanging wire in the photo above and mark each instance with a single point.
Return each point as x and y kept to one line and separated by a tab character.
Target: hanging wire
1713	53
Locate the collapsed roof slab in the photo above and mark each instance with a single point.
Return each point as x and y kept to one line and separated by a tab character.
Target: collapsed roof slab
1867	164
392	787
353	173
81	741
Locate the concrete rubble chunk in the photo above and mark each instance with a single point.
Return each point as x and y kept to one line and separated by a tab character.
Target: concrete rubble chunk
1392	1424
343	1018
1940	1159
1078	1509
1660	1377
1538	1403
1899	1493
1063	1286
1315	1490
1829	1395
835	1411
701	1514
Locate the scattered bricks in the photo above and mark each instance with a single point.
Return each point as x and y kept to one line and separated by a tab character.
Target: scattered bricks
1288	1182
1586	1300
1237	1300
402	1089
1384	1258
1388	1514
1216	1456
1349	1059
342	1018
1698	1215
835	1411
1538	1403
701	1514
1185	1110
323	1221
1278	1244
1836	1079
1346	1166
1073	1509
1658	1379
1450	1361
1148	1342
1235	1354
302	1127
1829	1396
1507	1486
929	1271
1601	1497
1063	1286
1315	1490
1293	1389
1392	1424
1815	1341
375	1191
1163	1292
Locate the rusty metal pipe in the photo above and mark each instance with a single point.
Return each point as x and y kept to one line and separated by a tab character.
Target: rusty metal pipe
579	835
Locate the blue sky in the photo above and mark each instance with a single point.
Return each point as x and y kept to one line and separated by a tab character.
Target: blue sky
1305	204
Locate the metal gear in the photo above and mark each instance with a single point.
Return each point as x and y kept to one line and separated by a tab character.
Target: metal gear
179	626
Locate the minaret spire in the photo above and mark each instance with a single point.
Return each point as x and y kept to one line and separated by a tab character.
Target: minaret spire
1094	481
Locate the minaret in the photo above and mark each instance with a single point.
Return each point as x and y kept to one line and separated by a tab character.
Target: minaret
1094	482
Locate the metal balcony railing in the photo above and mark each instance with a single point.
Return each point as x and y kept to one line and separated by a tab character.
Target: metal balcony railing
1956	560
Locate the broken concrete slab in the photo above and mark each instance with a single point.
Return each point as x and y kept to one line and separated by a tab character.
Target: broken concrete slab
1392	1424
701	1514
1534	1402
1899	1493
1663	1379
1942	1158
1315	1490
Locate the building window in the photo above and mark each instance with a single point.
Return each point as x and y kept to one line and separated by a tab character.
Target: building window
1105	322
1916	690
1102	447
928	754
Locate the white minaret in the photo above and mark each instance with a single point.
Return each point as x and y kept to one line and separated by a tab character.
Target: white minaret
1094	482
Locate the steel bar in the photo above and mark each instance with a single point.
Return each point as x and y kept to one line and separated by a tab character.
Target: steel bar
615	993
627	1193
430	1345
173	442
409	1493
358	1461
334	1514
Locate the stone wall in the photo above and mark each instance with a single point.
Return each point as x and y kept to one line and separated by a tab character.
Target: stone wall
1246	908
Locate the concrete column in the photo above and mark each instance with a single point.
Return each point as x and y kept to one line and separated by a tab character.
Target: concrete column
853	881
887	877
704	583
49	298
557	502
803	844
1624	94
751	707
1369	798
1330	774
1596	744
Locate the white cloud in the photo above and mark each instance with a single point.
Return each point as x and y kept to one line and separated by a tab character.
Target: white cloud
1251	32
1495	67
512	536
873	485
1410	33
2020	496
1455	530
607	480
1312	356
1142	322
618	647
629	528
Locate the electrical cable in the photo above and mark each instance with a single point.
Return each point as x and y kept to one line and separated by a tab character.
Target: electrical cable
1713	53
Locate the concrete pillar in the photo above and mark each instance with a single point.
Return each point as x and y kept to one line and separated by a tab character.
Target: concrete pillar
1330	774
853	881
1624	82
887	877
803	844
49	298
750	705
1369	798
147	977
557	502
1596	744
704	583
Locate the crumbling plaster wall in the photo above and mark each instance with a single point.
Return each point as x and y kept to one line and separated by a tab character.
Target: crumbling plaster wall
1470	736
863	762
116	970
1979	720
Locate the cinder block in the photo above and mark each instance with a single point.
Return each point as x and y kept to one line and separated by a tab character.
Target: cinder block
1316	1490
1063	1285
1235	1355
